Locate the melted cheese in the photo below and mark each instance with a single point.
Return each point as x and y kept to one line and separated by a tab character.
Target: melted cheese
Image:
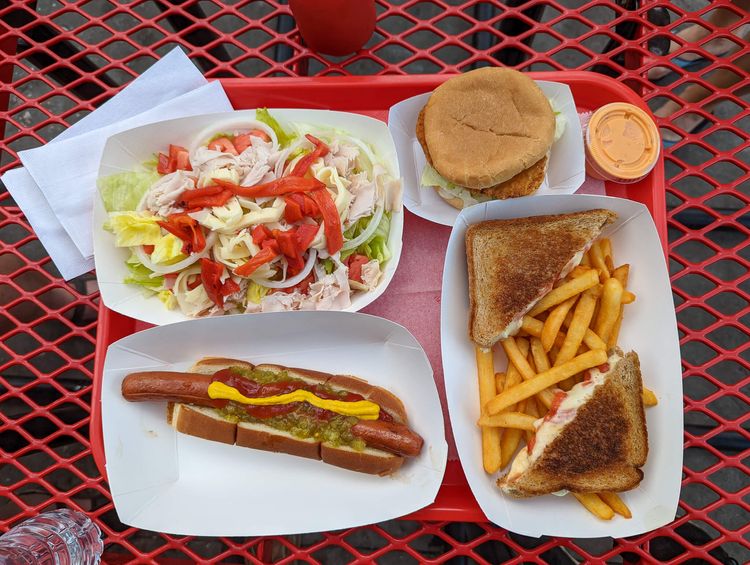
363	409
576	397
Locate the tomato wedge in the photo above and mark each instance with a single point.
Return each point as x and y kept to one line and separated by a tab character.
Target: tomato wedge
162	166
211	272
265	255
242	141
355	263
334	237
188	230
303	165
223	144
278	187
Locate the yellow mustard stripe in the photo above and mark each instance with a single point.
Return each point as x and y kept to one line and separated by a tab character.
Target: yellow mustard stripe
363	409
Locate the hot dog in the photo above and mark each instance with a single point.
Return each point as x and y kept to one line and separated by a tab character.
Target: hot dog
339	419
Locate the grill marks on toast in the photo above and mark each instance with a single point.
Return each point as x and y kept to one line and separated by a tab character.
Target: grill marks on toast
512	263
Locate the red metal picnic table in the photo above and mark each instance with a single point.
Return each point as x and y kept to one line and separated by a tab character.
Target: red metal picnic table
61	60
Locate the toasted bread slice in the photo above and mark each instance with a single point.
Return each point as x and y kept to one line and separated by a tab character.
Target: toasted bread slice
600	450
514	263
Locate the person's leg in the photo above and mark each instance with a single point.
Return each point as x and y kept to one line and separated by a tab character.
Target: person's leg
694	93
718	18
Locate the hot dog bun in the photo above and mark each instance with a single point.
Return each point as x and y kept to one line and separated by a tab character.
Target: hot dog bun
208	423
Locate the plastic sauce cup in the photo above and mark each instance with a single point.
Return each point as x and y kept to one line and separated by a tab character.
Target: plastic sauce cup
622	143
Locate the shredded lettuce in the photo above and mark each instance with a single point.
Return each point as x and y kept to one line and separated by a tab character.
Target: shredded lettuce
151	164
255	292
141	275
430	178
376	247
262	115
122	192
133	228
167	298
219	135
328	265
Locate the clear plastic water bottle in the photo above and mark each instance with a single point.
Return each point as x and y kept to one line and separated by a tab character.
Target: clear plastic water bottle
58	537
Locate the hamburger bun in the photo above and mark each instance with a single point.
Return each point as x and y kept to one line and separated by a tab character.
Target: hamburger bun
488	130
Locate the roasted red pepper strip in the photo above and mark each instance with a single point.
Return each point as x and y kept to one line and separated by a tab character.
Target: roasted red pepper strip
188	230
265	255
193	199
211	272
303	165
260	233
287	242
334	237
278	187
292	210
305	235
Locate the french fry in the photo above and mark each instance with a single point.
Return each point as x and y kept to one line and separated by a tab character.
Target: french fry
622	273
510	439
586	260
606	245
578	325
519	351
609	308
532	409
595	505
649	398
517	358
546	379
562	293
578	271
598	262
615	503
534	328
499	382
491	456
539	353
554	322
516	420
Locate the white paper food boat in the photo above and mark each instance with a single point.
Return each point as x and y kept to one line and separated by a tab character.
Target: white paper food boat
649	327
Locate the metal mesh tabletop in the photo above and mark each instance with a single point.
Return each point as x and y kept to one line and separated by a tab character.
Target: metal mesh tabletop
60	60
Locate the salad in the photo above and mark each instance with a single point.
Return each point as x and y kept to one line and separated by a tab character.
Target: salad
257	219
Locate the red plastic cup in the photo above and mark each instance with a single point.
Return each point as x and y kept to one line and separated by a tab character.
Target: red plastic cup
334	27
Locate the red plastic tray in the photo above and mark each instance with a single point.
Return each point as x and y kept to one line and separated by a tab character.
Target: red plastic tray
373	96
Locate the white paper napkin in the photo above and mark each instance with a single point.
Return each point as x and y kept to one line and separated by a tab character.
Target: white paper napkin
56	188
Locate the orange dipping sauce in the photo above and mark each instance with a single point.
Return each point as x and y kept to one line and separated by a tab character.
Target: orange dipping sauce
622	143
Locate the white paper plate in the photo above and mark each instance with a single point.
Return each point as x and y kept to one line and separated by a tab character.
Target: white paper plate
126	151
649	328
565	173
169	482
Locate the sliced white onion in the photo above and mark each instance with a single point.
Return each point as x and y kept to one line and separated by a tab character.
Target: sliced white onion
163	269
365	235
278	169
296	279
